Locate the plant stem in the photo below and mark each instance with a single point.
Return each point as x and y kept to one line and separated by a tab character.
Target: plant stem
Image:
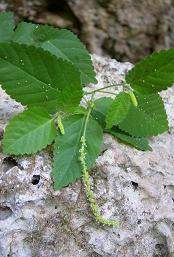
102	88
86	177
107	92
91	105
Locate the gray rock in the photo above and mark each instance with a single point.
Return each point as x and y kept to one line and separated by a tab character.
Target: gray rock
134	187
125	30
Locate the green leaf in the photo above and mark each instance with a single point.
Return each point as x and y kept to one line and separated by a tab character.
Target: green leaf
101	107
147	119
29	132
100	110
154	73
59	42
34	77
138	142
67	166
76	110
118	110
6	26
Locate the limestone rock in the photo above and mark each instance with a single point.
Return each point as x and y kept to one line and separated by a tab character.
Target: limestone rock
134	187
125	30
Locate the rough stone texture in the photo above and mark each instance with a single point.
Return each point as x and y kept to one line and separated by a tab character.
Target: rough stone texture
135	187
125	30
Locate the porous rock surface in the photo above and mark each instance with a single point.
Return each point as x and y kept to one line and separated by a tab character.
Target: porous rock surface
134	187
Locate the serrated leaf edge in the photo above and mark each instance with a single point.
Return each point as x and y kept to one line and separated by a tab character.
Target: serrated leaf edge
139	63
66	30
27	152
38	49
124	130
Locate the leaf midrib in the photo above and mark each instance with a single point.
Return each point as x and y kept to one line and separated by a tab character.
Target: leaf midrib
63	55
30	132
57	49
75	150
25	72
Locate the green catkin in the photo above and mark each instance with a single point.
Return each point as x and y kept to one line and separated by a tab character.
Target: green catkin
90	195
60	125
133	98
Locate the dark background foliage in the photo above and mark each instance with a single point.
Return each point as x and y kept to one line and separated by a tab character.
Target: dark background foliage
126	30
